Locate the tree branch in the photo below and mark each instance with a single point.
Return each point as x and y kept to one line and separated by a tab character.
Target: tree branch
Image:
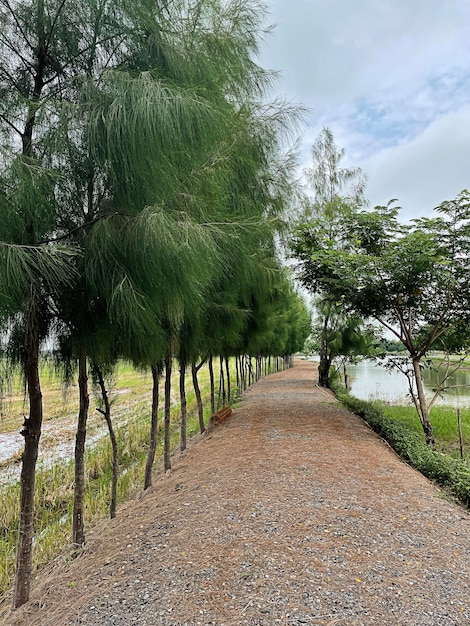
18	25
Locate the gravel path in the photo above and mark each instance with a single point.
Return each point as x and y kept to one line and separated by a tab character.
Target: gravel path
293	512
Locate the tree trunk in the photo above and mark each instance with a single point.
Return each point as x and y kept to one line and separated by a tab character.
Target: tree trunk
243	372
78	531
423	407
183	407
156	373
227	371
345	373
325	361
112	436
222	393
167	414
197	391
324	372
211	378
31	432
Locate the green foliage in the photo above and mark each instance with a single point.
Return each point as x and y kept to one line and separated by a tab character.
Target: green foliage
444	423
338	194
142	185
413	279
342	335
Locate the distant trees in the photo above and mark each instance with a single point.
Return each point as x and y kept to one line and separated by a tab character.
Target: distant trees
142	183
338	338
414	279
338	192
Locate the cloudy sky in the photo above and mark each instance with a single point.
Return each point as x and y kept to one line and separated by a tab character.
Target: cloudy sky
391	78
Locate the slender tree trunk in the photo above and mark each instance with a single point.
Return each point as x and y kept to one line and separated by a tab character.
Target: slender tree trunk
112	436
324	372
183	408
78	530
31	432
345	374
227	371
167	414
221	383
269	364
425	421
212	383
156	373
325	361
459	425
243	371
197	391
237	369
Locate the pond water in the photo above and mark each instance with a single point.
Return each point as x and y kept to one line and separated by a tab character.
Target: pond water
370	381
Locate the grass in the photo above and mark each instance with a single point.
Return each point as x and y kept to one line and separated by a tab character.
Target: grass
54	486
444	424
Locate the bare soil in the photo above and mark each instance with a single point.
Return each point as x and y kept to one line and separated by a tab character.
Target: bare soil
292	512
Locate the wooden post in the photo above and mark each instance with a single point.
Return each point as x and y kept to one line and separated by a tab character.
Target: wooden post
459	421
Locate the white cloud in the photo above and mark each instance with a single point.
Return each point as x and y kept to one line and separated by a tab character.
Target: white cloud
391	79
421	173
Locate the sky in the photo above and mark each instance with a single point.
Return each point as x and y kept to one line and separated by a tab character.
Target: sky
391	79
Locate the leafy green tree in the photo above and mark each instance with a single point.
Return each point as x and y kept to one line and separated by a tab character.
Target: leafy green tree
413	279
338	337
97	99
338	192
37	264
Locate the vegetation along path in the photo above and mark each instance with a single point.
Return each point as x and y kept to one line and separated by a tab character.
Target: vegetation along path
292	512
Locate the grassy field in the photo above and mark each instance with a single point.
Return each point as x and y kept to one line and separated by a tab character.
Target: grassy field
131	393
444	423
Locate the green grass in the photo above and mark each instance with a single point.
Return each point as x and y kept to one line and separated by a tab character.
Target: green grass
444	424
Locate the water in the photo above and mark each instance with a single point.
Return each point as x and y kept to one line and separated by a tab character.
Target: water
370	381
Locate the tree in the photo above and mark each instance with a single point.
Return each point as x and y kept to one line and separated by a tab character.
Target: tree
338	191
36	263
107	109
134	154
331	183
338	336
414	279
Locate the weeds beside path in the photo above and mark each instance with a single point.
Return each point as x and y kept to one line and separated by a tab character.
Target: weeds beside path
294	512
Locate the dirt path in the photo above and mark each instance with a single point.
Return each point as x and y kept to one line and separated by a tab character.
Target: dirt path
292	513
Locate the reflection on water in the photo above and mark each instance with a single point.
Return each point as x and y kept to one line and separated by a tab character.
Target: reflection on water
370	381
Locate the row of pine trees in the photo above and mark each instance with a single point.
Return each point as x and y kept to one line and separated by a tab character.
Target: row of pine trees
144	178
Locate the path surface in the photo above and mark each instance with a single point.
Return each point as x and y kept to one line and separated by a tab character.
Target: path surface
292	513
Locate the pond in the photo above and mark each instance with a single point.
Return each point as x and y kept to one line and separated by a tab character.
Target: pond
370	381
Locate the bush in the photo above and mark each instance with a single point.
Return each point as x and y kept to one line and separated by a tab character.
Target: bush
453	474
